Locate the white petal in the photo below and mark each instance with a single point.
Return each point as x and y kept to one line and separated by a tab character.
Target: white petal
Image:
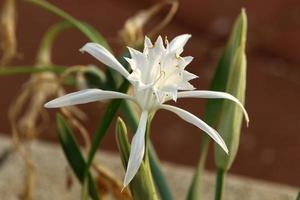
104	56
147	43
132	63
185	85
137	57
189	76
85	96
213	95
177	44
185	61
189	117
188	59
137	150
135	54
159	44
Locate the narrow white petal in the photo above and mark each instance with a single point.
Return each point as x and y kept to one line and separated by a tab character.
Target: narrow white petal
177	44
185	61
137	150
213	95
147	43
159	44
189	117
189	76
188	59
104	56
85	96
132	64
137	57
135	54
186	86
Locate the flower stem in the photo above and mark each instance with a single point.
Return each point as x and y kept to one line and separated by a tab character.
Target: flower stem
196	188
150	183
220	184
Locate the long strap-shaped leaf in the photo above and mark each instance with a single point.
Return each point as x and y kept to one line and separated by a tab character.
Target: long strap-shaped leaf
215	108
85	28
9	71
73	155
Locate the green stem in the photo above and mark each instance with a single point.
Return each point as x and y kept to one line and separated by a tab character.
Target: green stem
196	187
220	184
158	176
151	185
44	52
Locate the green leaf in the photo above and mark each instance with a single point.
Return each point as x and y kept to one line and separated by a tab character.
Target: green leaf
298	196
105	123
44	52
14	70
122	141
141	186
237	39
159	179
95	77
85	28
230	76
220	178
231	116
73	154
195	189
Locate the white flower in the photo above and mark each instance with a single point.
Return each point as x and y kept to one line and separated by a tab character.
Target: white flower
158	75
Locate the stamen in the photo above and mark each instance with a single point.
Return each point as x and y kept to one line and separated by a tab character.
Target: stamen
166	40
178	57
162	74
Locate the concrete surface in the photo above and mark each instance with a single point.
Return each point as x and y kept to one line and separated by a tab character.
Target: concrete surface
51	178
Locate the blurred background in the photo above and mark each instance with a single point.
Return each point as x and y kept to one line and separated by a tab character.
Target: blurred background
269	147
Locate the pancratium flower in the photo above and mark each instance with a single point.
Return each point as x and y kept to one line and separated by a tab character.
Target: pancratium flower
158	75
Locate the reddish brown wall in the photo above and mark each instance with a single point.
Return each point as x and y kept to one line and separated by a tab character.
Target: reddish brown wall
270	146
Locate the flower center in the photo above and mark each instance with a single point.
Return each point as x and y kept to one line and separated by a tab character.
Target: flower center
159	72
147	99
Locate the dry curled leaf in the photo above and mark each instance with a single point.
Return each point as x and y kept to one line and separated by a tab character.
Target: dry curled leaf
8	41
132	33
110	187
